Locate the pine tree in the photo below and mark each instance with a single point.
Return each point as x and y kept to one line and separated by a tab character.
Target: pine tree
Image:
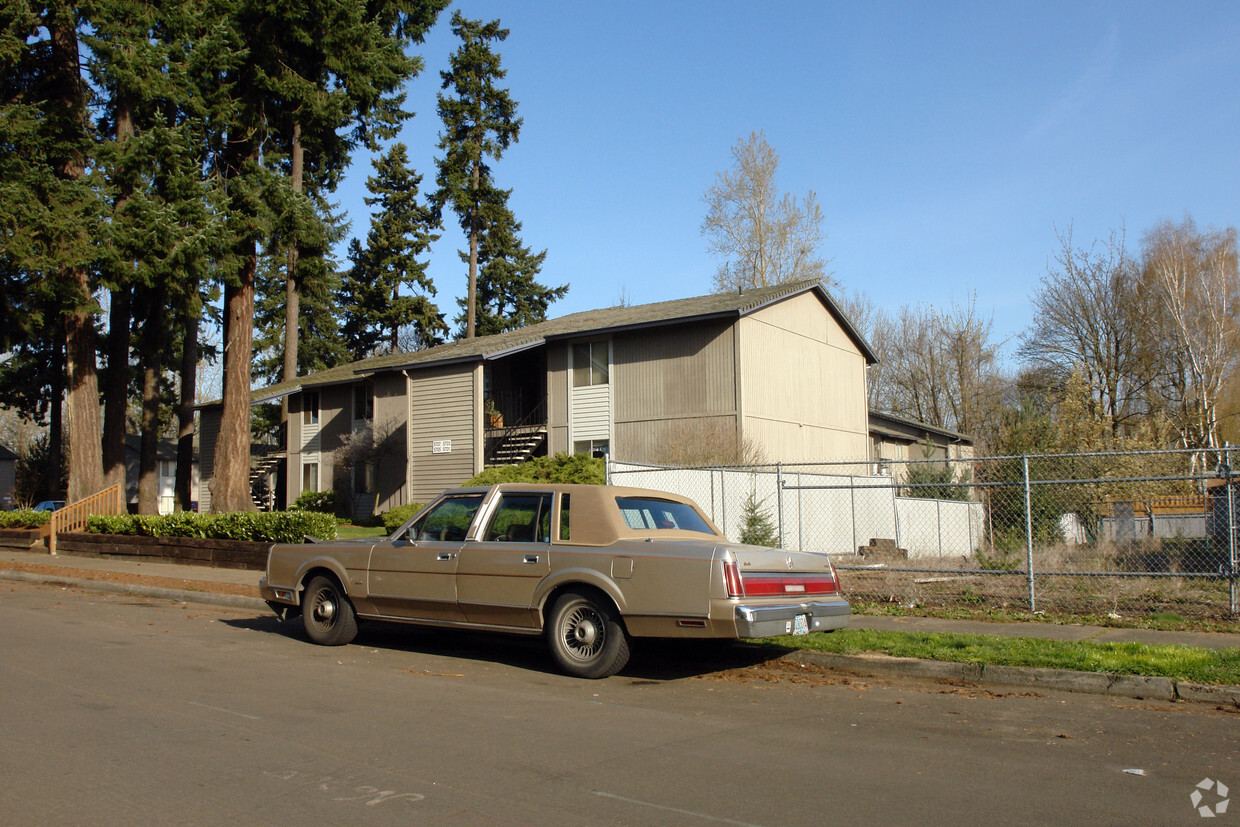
508	296
480	123
375	309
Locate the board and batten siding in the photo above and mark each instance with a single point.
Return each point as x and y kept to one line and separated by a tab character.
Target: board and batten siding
671	383
803	388
441	407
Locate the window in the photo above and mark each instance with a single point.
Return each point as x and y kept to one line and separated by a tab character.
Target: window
521	518
310	476
589	364
649	513
363	403
564	516
310	408
597	448
449	520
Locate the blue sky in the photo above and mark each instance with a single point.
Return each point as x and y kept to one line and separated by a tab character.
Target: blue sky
946	142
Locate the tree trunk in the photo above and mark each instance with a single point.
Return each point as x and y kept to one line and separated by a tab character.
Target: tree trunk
152	368
116	388
185	408
54	483
471	312
82	393
230	488
292	296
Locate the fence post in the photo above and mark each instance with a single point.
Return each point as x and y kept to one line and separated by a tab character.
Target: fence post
852	495
779	501
1231	534
1029	532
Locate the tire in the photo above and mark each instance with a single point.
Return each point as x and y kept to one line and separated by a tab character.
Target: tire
586	637
327	613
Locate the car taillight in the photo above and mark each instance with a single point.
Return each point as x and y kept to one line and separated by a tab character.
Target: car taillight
777	584
732	577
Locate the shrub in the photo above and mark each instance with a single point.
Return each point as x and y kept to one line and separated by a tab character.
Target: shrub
322	502
268	527
396	517
561	468
24	518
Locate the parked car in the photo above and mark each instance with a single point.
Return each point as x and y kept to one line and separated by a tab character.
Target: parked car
49	505
590	567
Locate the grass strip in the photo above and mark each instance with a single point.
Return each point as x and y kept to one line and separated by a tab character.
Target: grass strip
1208	666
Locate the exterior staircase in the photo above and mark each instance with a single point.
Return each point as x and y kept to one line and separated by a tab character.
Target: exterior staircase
513	446
261	468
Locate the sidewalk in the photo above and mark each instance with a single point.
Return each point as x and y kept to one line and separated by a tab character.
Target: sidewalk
238	588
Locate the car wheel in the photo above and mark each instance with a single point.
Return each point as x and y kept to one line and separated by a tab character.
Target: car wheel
327	613
586	637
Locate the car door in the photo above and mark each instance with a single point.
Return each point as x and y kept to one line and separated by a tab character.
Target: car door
414	576
500	569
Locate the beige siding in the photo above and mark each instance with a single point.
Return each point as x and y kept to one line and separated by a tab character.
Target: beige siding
679	370
592	412
646	441
557	398
440	408
391	424
669	384
804	393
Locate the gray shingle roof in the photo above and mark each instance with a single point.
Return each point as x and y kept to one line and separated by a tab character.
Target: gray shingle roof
606	320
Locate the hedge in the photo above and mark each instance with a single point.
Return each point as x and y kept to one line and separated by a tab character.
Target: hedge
265	527
561	468
24	518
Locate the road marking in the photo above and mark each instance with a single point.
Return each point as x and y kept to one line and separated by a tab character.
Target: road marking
228	711
674	809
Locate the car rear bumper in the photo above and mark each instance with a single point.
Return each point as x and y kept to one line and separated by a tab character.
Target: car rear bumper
768	621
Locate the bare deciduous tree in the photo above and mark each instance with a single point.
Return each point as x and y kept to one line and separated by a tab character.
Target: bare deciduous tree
763	237
1089	318
1195	275
942	370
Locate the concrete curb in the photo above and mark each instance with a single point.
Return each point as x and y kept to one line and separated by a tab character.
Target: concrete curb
1141	687
234	601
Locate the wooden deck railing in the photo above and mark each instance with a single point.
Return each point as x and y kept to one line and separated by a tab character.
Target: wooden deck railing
73	516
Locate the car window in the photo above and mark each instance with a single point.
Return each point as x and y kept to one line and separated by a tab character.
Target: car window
521	518
564	502
650	513
448	521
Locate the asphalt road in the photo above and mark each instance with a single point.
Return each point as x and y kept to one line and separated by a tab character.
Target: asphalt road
118	709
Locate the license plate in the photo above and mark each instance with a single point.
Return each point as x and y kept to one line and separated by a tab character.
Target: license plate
800	625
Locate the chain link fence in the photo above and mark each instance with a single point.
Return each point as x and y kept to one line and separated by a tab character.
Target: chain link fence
1128	534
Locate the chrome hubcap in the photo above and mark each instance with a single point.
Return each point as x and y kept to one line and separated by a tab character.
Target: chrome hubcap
583	632
324	608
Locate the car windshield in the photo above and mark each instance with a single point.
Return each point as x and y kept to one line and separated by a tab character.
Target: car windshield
650	513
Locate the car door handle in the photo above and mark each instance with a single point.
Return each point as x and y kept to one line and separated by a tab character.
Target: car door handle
444	555
530	558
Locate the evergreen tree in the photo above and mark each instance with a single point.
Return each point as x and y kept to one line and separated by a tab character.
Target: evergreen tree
375	310
51	209
508	296
480	122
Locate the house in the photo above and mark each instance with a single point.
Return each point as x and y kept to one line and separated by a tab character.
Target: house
8	477
779	369
896	439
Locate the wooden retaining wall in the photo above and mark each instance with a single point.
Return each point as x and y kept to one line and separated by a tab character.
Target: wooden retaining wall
232	554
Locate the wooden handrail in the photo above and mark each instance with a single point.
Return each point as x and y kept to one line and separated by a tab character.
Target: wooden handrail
73	516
